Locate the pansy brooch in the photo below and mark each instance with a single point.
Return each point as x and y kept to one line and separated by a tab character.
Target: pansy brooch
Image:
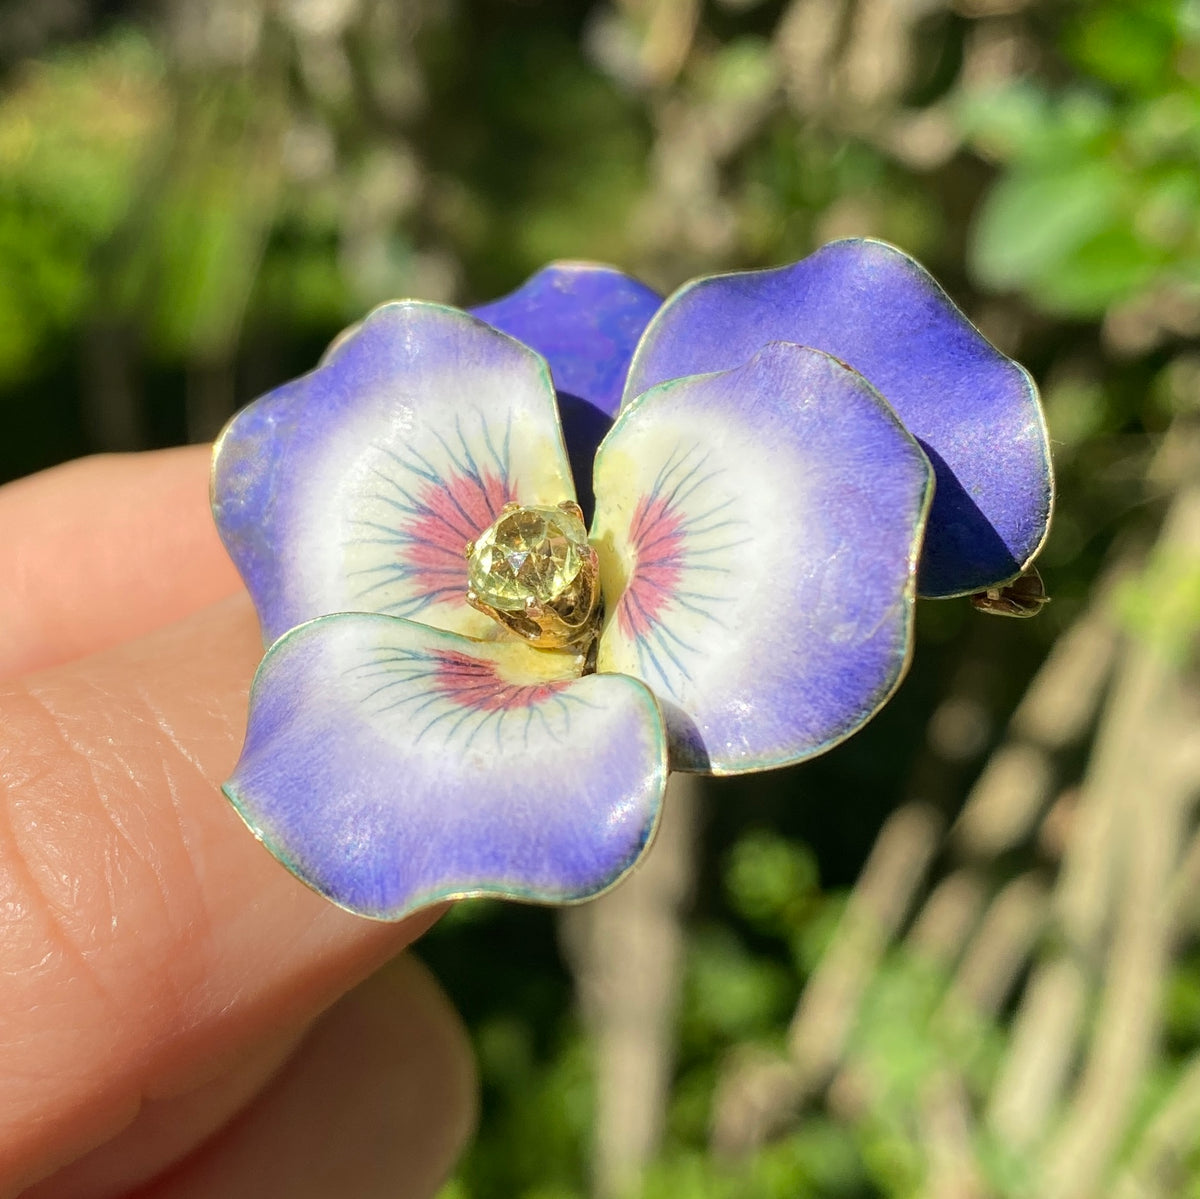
513	566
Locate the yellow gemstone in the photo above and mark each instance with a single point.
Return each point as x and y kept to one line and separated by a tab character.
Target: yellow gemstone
529	553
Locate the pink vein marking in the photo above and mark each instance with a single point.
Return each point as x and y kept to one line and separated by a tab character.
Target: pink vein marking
450	514
472	683
658	540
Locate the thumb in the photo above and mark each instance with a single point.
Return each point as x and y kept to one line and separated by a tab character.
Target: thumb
148	941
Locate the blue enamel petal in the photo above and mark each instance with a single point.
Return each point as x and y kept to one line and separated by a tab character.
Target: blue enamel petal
391	766
585	320
758	533
974	411
357	487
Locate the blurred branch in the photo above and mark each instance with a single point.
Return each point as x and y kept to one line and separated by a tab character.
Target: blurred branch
757	1097
946	1130
1145	774
626	950
947	918
878	906
1056	712
112	415
1156	1169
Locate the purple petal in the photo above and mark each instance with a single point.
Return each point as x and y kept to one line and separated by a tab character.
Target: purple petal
975	412
758	532
357	487
585	320
391	766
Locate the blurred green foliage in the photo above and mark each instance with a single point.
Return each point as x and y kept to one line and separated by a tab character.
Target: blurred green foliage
1099	200
75	130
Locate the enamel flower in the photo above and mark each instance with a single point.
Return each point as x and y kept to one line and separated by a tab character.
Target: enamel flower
467	693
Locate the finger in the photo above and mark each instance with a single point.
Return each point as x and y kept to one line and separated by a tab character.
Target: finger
165	1131
378	1100
101	550
378	1103
148	939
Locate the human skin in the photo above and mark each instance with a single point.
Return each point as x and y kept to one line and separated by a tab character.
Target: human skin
179	1016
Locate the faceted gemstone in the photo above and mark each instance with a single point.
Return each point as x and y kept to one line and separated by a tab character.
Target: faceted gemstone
529	553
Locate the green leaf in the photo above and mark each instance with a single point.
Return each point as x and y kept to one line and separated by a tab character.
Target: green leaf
1127	45
1031	223
767	877
1108	268
731	993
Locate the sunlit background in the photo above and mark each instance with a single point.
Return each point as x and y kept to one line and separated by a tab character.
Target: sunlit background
958	956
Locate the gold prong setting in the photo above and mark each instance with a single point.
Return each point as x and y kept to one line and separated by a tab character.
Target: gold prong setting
533	572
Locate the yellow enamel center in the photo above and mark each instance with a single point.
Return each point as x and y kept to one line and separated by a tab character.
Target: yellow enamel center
528	554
